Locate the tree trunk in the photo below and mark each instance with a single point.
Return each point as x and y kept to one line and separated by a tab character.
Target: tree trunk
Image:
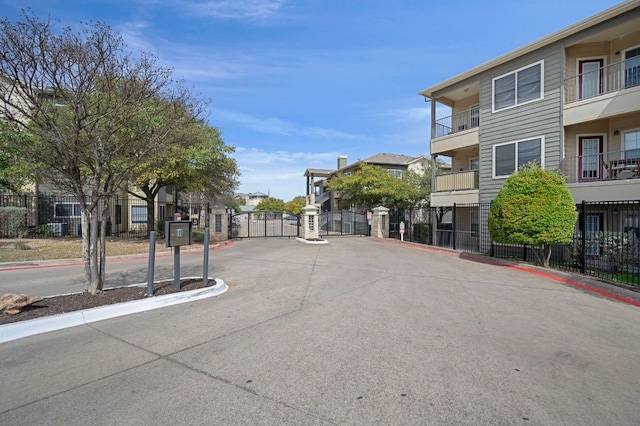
95	285
86	258
103	244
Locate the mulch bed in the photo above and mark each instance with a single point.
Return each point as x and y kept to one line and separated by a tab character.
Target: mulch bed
81	301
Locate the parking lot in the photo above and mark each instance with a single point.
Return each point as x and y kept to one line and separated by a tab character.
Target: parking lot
358	331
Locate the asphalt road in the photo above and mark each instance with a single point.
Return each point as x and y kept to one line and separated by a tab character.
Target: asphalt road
356	332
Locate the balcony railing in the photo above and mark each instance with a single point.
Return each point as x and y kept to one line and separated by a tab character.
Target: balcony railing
458	122
611	78
613	165
458	181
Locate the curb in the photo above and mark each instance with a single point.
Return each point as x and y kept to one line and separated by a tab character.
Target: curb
19	330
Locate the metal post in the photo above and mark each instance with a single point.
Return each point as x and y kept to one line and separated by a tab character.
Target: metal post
453	231
152	261
176	267
205	263
176	260
582	218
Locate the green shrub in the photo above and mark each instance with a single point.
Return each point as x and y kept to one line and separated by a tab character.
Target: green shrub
198	235
422	233
533	207
160	228
12	220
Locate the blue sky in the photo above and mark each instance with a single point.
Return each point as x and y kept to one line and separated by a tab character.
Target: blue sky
293	84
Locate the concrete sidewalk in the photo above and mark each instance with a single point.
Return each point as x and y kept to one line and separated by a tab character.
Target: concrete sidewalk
359	331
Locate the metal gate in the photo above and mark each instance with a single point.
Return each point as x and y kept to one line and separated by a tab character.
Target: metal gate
263	224
343	223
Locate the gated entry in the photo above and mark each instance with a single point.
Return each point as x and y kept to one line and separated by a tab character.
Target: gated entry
263	224
343	223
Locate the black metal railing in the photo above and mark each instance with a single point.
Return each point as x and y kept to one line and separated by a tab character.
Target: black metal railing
458	122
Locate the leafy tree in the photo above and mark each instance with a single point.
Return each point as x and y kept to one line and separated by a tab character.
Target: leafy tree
195	159
77	94
295	206
15	170
271	203
533	207
370	186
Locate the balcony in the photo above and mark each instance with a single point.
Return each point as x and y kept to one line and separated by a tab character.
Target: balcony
456	188
603	92
456	132
458	122
459	181
606	166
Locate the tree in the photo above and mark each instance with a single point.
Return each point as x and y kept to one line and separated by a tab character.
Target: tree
195	159
533	207
295	206
78	94
370	186
271	203
15	170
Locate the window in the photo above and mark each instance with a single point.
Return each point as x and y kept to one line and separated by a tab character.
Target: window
66	210
138	214
218	223
518	87
632	67
395	173
632	144
474	164
631	223
508	157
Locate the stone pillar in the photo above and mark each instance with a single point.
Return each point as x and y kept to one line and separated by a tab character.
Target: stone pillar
380	222
310	225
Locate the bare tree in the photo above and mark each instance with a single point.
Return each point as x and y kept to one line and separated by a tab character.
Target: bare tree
91	108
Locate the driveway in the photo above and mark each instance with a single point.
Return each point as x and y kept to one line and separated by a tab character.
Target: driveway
356	332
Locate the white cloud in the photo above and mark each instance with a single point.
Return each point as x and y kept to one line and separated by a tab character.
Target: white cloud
277	126
237	9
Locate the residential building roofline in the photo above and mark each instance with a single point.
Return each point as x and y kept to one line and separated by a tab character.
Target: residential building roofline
589	22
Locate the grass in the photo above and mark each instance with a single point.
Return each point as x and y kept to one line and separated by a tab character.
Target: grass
22	250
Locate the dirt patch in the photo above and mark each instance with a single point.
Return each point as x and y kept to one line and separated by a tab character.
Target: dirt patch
76	302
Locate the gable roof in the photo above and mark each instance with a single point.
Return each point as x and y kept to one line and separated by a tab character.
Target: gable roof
390	159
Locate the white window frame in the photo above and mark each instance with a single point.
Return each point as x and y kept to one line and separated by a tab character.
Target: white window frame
624	73
516	104
493	155
135	215
622	142
471	163
397	173
73	209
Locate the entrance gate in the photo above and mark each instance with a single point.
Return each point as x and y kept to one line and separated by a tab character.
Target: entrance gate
263	224
343	223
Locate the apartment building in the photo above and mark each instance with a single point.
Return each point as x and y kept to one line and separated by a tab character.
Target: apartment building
569	101
319	194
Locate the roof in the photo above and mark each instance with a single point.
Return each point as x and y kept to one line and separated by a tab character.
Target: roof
390	159
257	194
318	172
531	47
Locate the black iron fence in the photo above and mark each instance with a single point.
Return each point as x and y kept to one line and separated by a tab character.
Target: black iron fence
47	216
344	222
263	224
605	244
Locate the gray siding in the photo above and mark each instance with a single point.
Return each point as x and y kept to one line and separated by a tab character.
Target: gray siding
539	118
